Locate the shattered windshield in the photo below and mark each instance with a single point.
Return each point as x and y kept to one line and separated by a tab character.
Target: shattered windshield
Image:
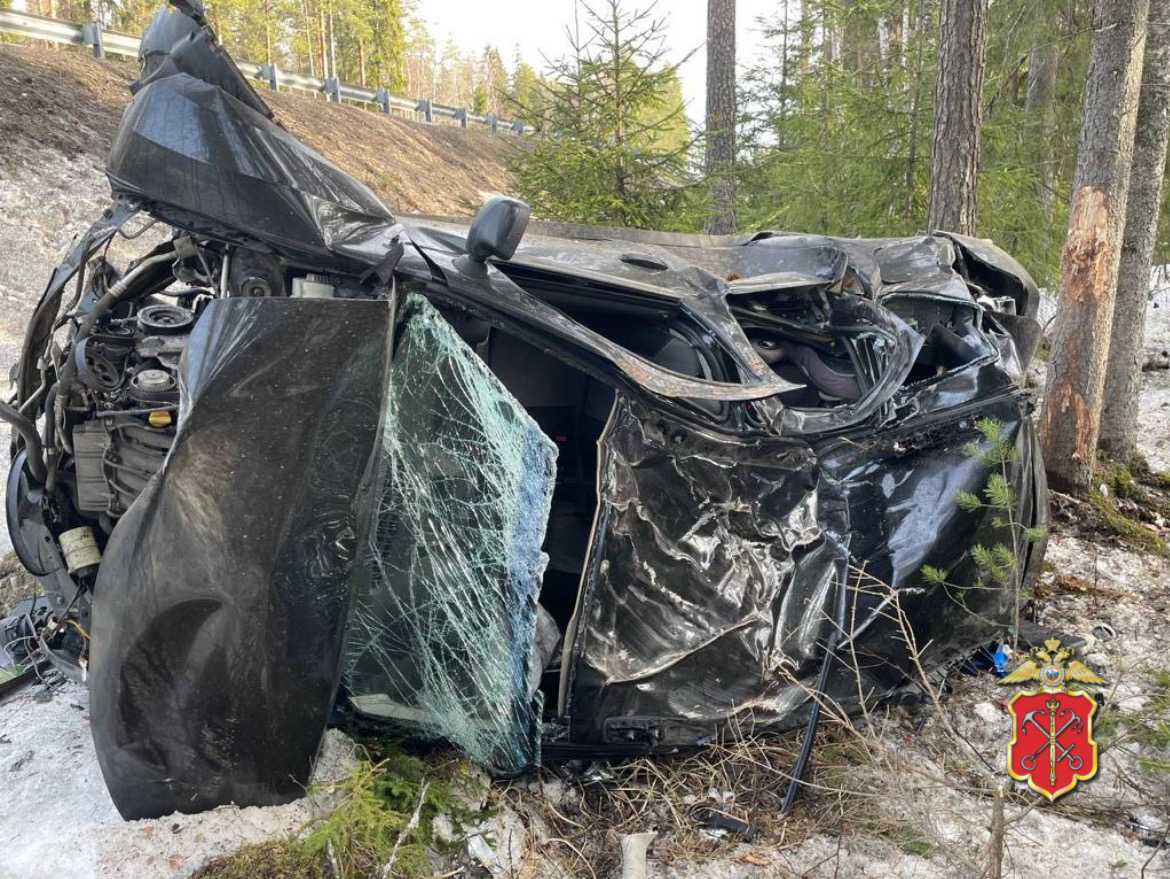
440	642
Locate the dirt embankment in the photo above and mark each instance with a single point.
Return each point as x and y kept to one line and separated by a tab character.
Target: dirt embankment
66	101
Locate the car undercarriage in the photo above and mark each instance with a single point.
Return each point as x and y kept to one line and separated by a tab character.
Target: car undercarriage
540	491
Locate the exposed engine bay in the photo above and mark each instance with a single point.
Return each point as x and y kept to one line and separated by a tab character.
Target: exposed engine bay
109	393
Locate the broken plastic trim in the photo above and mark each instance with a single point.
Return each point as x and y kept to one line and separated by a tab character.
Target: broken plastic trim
814	717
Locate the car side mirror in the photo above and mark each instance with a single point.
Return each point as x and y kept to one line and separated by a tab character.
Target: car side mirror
497	229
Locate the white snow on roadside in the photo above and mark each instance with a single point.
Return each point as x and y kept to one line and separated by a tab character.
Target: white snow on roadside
44	205
57	820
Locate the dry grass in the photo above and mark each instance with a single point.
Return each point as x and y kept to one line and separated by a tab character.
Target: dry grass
282	859
704	804
16	584
915	780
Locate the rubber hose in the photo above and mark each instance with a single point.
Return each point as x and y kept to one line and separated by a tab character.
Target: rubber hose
32	441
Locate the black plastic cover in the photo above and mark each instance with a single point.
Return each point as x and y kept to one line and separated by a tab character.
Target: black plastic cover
222	599
197	147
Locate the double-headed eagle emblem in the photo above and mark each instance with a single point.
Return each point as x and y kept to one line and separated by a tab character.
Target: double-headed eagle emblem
1052	745
1048	665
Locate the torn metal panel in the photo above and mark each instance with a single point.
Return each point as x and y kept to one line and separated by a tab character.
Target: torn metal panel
442	642
494	294
707	584
715	564
900	490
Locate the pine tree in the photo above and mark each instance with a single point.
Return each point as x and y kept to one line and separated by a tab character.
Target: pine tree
1119	421
525	97
420	59
1071	419
958	116
720	143
600	155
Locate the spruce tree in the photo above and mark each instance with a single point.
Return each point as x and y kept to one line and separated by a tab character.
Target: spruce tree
601	154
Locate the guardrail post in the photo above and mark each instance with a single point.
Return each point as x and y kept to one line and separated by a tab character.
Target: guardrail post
91	35
382	99
494	121
269	75
427	107
518	127
461	115
332	89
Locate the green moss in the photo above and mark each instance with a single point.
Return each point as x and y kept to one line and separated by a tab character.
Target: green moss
285	859
1128	531
1122	481
1137	481
906	837
911	843
1148	476
1043	350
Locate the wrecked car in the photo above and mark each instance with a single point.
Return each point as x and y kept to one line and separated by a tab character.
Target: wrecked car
538	491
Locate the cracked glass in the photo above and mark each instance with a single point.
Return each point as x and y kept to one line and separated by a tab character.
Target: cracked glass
441	642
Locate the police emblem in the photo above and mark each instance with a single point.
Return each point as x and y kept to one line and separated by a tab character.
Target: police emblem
1052	745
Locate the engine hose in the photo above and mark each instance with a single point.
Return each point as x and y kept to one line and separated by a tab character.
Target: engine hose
50	439
814	717
101	308
32	441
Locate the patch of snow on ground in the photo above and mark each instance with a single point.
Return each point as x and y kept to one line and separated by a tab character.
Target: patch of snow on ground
57	820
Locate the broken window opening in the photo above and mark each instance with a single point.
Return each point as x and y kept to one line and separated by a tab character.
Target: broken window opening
952	331
571	409
814	339
654	327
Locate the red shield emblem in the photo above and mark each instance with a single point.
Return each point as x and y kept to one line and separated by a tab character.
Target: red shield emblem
1052	740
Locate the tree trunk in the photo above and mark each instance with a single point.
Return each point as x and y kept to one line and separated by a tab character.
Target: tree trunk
915	101
807	29
958	115
1123	374
1042	69
784	61
721	115
1071	420
267	31
309	37
883	37
321	35
332	46
861	42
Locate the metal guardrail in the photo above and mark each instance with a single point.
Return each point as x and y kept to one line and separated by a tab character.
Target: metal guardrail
103	42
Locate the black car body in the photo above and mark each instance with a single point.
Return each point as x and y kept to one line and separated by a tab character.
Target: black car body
588	492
